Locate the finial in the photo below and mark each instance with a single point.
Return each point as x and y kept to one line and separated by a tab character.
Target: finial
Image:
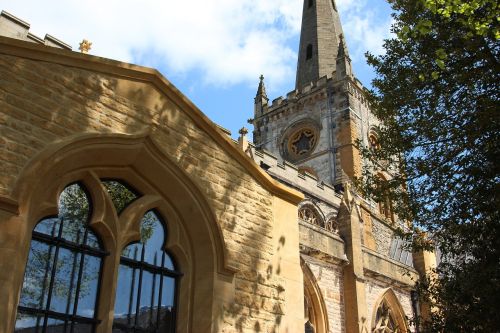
242	140
243	131
261	77
85	46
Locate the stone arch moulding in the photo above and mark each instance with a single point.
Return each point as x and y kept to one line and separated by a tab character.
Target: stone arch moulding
394	305
138	161
104	151
312	289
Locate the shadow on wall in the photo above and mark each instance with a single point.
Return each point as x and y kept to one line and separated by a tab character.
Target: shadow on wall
46	102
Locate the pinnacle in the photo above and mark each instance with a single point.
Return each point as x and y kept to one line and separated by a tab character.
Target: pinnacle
261	90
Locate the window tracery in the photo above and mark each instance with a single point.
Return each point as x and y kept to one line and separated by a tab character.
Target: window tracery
388	316
307	214
62	279
332	225
385	321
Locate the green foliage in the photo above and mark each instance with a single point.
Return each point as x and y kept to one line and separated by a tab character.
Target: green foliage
437	91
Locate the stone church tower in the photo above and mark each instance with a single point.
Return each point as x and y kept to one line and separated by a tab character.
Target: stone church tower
316	125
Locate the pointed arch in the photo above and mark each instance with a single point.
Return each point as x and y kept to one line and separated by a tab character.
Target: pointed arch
198	248
315	311
388	315
310	213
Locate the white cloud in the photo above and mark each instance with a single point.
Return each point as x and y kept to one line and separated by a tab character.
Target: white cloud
227	41
365	25
230	41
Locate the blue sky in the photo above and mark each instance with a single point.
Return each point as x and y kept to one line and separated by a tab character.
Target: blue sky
213	50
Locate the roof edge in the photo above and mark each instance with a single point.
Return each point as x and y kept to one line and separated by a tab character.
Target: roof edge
14	47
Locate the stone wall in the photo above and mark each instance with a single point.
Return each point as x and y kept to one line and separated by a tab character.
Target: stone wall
43	103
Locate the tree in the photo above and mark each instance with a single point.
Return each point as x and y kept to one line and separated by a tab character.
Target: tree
437	93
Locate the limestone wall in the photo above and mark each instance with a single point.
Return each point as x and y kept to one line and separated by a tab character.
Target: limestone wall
46	102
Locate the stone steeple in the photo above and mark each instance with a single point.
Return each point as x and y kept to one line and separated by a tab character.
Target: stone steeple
319	41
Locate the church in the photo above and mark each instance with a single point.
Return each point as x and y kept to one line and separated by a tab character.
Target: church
123	208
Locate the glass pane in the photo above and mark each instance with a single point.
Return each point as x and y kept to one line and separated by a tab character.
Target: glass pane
74	210
147	303
81	328
92	240
120	194
28	323
125	303
152	236
88	286
168	263
65	281
166	316
37	275
48	226
55	326
168	292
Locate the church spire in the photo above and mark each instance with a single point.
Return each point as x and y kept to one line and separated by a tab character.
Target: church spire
319	41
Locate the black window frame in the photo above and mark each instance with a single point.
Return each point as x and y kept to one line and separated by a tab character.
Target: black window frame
157	271
57	241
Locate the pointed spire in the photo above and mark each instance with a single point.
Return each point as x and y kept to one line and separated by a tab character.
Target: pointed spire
261	99
343	52
261	91
343	63
319	41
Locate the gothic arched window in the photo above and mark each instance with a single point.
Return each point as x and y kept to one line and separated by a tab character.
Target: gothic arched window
384	320
389	316
63	272
147	282
309	215
332	225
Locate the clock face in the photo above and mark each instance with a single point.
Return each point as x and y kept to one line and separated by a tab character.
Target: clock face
301	142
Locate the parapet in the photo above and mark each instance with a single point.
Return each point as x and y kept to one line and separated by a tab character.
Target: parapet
290	175
14	27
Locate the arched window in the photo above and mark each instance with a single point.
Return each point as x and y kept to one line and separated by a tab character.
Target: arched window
309	215
309	51
63	272
147	282
384	320
310	3
389	316
315	312
332	225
